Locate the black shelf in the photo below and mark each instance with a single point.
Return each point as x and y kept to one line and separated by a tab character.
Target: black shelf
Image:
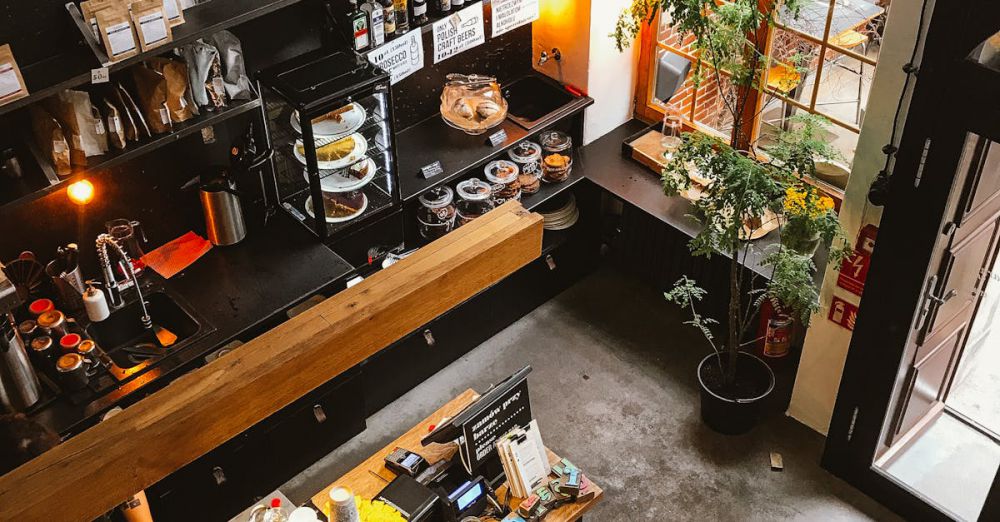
551	190
433	140
378	202
72	68
25	191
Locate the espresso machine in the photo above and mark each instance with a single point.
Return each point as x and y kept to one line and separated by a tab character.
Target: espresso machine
19	388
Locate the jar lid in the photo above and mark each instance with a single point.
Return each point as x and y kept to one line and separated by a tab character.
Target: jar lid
86	346
556	141
70	341
40	306
474	189
437	197
69	362
41	343
502	171
51	318
525	152
27	327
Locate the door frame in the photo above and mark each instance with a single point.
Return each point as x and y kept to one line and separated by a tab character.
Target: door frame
942	110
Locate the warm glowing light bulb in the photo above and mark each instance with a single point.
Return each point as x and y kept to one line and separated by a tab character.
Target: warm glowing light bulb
81	192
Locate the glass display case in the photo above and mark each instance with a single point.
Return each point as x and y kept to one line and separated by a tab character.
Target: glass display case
330	121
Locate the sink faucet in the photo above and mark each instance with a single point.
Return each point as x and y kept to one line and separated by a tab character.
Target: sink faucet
556	55
104	243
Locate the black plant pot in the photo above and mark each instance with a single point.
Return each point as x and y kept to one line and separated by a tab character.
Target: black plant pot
739	414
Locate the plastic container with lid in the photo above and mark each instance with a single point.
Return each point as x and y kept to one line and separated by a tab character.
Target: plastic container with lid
436	215
557	156
505	177
528	156
475	198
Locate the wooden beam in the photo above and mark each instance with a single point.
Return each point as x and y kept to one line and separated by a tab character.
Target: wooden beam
93	472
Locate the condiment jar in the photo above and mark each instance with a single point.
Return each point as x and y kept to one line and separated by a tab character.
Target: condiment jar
475	198
42	350
54	323
557	156
72	371
436	215
28	330
528	156
40	306
70	342
504	176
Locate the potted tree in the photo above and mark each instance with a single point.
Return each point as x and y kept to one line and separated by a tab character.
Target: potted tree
742	190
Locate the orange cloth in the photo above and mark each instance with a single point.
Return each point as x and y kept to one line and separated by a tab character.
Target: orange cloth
177	255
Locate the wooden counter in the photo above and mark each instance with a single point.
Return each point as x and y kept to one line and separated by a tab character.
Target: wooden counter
369	477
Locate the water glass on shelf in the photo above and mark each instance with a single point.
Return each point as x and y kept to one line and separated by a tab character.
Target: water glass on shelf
671	140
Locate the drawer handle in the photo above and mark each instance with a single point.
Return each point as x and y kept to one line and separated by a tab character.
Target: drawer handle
319	414
551	261
219	475
429	337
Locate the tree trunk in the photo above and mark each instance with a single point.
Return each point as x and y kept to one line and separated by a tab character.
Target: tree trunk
729	377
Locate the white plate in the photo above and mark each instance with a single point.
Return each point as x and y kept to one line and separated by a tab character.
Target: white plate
360	148
340	180
351	121
309	210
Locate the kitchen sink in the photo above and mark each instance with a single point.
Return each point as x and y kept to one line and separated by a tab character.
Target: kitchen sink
133	347
532	98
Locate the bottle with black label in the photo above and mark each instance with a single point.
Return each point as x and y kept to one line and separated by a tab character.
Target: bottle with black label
389	15
376	21
360	36
420	12
402	16
457	4
443	6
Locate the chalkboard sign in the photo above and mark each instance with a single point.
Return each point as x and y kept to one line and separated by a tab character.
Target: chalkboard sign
511	410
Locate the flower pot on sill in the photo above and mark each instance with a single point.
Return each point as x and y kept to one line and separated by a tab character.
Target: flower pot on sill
804	246
728	414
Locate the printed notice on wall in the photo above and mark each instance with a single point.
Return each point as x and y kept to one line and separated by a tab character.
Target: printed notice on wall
400	57
459	32
511	14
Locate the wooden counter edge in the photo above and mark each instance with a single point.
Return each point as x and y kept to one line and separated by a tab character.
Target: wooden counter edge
93	472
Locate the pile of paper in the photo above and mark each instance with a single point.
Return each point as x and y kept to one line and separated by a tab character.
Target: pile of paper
524	459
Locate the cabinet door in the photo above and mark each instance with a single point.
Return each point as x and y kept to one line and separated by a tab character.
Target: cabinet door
398	368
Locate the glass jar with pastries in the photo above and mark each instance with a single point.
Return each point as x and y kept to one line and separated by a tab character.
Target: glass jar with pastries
528	157
333	134
436	215
475	198
472	103
557	156
505	177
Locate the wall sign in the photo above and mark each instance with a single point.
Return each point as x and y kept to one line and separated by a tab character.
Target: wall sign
459	32
854	269
843	313
400	57
511	14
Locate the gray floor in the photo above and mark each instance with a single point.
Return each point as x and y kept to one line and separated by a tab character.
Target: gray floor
614	390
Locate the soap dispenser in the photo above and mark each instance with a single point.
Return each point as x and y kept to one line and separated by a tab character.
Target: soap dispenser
95	302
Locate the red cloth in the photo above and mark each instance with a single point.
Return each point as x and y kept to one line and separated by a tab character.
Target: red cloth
177	255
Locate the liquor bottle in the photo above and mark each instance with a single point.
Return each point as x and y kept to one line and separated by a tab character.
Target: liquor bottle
444	6
360	37
457	4
420	12
402	16
389	15
376	21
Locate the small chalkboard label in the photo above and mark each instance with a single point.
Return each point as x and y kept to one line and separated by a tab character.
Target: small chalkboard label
498	138
434	169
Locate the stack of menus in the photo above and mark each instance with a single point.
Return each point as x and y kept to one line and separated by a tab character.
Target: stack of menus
524	459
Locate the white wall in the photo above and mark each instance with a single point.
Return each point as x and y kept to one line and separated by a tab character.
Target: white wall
581	29
826	345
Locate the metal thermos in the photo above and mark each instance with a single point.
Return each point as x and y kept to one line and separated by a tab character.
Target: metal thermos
19	388
223	212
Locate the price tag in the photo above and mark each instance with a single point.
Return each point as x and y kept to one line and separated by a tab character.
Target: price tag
498	138
434	169
100	75
511	14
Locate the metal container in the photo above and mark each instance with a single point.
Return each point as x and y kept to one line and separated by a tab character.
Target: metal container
223	212
19	388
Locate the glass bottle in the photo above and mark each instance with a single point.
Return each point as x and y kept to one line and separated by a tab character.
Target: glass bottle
420	12
389	17
671	140
444	6
360	37
457	4
402	16
376	21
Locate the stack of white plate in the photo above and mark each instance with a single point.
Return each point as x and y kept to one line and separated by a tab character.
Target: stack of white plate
563	217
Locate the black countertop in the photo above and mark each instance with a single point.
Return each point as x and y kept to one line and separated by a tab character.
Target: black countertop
233	289
603	163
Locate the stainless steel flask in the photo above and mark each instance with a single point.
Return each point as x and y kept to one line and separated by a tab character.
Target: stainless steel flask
19	388
223	212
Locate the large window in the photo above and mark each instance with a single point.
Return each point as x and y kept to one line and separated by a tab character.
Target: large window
821	62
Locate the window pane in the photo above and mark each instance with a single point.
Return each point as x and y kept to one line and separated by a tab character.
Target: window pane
855	21
710	107
683	98
843	88
792	70
811	18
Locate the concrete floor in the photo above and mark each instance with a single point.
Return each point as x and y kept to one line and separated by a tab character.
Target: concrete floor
614	390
